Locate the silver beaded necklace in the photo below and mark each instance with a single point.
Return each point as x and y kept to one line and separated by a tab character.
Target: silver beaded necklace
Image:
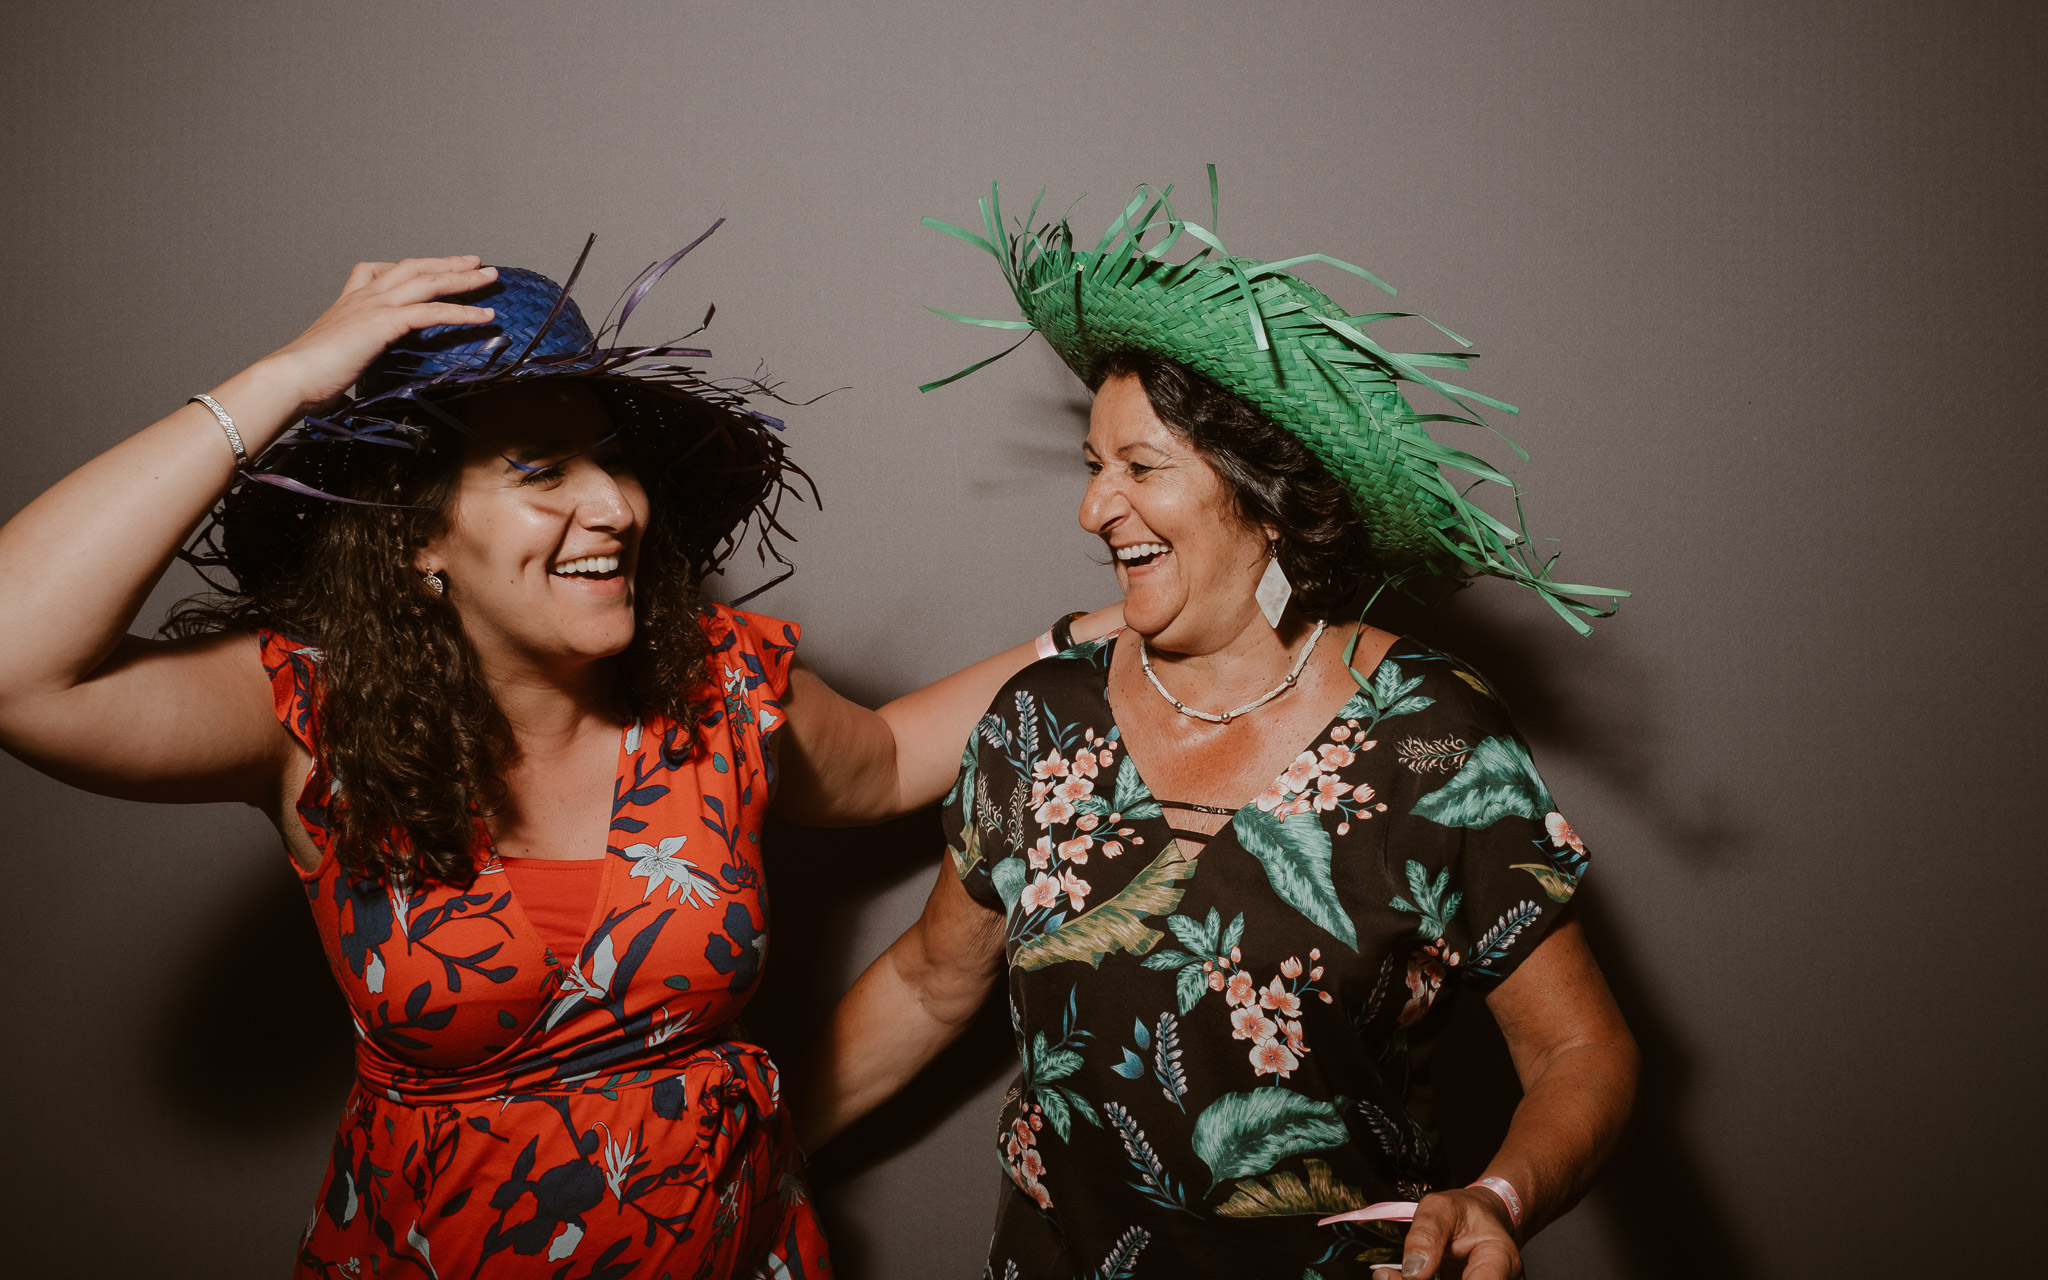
1145	660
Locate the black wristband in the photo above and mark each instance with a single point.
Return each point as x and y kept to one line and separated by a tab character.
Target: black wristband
1063	632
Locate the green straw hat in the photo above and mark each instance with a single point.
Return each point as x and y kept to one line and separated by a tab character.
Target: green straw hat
1288	350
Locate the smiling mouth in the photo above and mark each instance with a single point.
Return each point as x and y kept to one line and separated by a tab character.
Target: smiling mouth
1140	554
588	568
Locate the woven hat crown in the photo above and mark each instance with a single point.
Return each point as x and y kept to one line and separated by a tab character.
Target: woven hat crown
532	315
1286	348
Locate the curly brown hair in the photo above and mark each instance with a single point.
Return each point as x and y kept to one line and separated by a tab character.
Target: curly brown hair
1273	480
406	724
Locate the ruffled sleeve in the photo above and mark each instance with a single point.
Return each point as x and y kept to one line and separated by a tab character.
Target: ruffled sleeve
750	660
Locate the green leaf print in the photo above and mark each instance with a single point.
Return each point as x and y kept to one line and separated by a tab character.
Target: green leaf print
1429	901
1558	885
1008	878
1190	986
1133	801
1241	1134
968	856
1118	922
1296	855
1498	780
1284	1195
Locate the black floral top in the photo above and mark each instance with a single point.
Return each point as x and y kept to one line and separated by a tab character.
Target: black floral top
1216	1036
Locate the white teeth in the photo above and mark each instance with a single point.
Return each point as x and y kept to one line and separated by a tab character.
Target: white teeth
1139	550
588	564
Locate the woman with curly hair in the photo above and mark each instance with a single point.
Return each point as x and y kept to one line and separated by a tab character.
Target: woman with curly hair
1234	862
520	765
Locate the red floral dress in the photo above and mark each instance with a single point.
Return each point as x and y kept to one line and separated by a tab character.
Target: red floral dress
588	1117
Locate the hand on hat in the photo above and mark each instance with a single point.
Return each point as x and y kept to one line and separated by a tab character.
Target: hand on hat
382	302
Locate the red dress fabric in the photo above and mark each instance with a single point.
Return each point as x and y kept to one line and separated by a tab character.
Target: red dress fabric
593	1116
558	895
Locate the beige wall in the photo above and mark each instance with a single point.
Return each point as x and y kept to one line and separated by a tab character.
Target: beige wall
1766	279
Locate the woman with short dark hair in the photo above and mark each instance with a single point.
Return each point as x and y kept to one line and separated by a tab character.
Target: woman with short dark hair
520	764
1236	859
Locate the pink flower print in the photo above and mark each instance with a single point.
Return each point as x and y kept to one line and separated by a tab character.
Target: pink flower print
1290	968
1270	798
1084	764
1425	979
1329	791
1088	821
1281	1000
1039	1195
1039	791
1237	955
1075	887
1300	804
1037	1119
1041	892
1315	953
1294	1040
1053	812
1216	979
1335	757
1242	990
1074	789
1040	854
1270	1057
1301	771
1249	1024
1111	848
1076	850
1561	833
1050	767
1316	974
1339	733
1031	1164
1020	1131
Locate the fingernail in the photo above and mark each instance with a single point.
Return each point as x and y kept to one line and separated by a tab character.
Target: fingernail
1411	1265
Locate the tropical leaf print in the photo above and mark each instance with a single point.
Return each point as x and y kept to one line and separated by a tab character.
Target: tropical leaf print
1154	1182
1118	922
1494	944
1445	755
1166	1068
1498	780
1286	1195
1295	852
1242	1134
1207	941
1008	877
1558	885
968	856
1132	800
1124	1257
1428	901
1388	693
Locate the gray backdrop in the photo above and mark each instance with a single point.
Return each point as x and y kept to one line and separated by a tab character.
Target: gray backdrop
1766	279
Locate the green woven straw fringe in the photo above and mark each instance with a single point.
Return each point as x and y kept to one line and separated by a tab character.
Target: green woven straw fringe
1294	354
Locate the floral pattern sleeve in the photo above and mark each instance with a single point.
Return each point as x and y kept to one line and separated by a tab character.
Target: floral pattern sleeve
1512	861
978	816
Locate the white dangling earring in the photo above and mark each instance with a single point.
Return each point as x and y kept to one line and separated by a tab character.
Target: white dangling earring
1274	589
434	582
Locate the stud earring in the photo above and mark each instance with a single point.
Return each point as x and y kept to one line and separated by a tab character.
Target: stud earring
1274	589
435	582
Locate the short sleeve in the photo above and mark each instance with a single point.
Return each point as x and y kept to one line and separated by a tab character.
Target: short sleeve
1513	860
975	828
292	666
750	660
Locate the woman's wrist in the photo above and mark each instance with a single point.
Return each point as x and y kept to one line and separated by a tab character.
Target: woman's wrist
1499	1191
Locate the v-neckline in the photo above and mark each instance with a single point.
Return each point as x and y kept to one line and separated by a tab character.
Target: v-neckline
605	878
1131	757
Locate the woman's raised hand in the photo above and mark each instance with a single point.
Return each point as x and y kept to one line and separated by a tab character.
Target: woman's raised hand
381	303
1469	1229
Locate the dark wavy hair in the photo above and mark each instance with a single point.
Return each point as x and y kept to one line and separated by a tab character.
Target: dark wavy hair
1273	480
406	725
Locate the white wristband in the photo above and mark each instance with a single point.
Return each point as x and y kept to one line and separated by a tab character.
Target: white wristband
227	424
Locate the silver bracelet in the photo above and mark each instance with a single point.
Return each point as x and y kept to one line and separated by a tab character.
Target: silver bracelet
227	424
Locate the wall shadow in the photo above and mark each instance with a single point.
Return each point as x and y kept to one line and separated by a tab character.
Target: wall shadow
254	1036
822	883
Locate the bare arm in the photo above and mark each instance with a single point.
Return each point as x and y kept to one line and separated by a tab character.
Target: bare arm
912	1002
84	701
1578	1063
844	765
